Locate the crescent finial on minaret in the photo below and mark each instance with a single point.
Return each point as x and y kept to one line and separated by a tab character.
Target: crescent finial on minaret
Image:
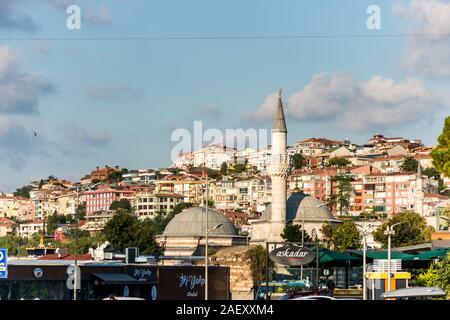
280	92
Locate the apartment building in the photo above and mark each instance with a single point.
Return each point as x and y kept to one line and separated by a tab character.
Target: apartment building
6	227
148	205
16	207
188	185
214	155
100	199
26	230
244	195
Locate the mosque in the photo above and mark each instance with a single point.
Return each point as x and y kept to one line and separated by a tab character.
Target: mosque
184	235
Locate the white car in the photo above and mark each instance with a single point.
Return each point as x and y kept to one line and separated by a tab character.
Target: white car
123	298
315	298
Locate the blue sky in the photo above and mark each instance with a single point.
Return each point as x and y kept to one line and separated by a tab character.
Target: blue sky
99	101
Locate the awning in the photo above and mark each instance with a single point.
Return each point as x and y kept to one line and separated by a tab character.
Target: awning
382	254
432	254
336	258
116	278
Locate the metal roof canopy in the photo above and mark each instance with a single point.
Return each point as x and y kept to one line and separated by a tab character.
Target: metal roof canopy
116	278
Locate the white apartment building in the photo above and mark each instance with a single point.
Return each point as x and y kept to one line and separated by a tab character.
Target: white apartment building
148	205
140	176
213	156
245	195
26	230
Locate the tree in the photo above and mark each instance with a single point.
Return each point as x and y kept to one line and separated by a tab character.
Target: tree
441	154
121	231
257	257
338	162
341	237
431	172
412	230
114	177
120	204
298	161
410	164
293	233
346	236
438	275
239	168
341	199
23	192
224	169
146	238
53	222
213	174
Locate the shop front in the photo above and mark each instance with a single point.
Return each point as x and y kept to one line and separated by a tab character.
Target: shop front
99	281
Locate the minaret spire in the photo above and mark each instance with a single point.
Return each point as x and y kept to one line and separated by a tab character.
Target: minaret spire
279	123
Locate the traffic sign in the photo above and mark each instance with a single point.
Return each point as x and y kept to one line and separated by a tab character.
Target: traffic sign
3	263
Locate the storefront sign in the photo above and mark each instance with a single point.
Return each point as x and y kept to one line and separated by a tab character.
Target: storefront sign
3	263
142	274
292	255
38	273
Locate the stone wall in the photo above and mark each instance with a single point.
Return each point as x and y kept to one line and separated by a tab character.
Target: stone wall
241	278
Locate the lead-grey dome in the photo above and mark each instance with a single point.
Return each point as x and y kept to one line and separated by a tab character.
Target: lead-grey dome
191	222
300	203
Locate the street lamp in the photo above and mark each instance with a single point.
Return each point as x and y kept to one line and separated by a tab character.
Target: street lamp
389	232
75	274
364	232
303	231
206	258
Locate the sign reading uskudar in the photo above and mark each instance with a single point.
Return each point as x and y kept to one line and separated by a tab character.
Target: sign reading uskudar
291	255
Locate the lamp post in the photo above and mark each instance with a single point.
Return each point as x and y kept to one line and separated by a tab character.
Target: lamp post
207	231
303	231
389	232
364	232
75	273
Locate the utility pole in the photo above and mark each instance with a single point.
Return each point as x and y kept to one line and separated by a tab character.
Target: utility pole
206	239
389	232
364	232
75	274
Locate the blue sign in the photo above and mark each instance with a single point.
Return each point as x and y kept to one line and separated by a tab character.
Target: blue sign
3	263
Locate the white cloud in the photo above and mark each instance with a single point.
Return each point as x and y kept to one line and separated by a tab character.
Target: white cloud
20	92
427	54
12	21
376	104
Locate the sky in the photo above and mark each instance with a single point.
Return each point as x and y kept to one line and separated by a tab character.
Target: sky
113	91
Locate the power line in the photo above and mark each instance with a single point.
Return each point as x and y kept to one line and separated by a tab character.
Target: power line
262	37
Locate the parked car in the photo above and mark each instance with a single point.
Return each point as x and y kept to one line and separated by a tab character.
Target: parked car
414	293
322	298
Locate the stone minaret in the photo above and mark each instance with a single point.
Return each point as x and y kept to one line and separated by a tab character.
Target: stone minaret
418	193
277	170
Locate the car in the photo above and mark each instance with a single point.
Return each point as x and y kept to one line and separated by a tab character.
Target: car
322	298
414	293
122	298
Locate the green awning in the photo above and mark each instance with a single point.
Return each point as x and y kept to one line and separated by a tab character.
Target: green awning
382	254
334	257
432	254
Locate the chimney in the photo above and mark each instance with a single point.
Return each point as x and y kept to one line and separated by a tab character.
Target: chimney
98	168
117	167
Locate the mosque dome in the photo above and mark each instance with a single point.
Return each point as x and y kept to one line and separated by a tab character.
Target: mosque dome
299	203
191	222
